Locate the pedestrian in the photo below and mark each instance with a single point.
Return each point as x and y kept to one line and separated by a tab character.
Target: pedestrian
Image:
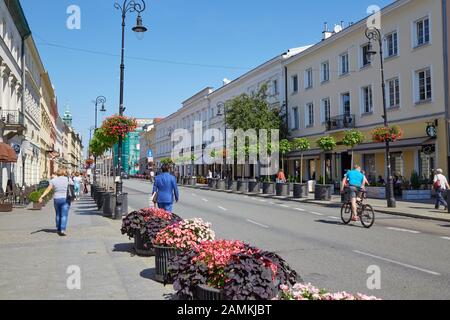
440	184
85	183
165	189
152	176
210	174
61	199
281	178
77	180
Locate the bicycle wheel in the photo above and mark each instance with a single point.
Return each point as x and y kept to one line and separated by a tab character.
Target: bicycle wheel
346	213
367	216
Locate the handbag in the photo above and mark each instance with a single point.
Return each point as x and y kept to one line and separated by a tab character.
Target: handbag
437	185
70	192
154	199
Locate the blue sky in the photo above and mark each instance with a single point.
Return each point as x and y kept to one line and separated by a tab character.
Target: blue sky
204	41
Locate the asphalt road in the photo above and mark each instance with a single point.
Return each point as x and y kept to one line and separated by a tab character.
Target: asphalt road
413	256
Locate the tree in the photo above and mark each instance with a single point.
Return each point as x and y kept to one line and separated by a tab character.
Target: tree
302	145
351	139
285	147
327	144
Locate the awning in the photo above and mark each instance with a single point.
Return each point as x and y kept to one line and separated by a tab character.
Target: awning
400	144
315	153
7	153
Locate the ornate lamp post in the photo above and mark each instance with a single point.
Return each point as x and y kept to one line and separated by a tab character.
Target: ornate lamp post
222	111
100	100
374	34
127	6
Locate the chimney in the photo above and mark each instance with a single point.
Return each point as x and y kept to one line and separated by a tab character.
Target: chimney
326	33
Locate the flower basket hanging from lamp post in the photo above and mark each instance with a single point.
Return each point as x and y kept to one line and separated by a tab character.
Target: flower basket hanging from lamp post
384	134
119	126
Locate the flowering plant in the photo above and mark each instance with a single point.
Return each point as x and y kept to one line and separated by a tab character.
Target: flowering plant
384	134
309	292
241	271
185	234
119	126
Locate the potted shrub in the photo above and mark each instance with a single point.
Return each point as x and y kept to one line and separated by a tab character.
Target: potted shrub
230	270
34	198
376	191
351	139
268	187
176	238
324	191
304	292
415	192
143	225
302	145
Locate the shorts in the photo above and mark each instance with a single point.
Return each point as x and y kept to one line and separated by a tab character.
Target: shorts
353	191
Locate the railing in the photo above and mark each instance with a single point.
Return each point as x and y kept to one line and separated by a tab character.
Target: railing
12	117
346	121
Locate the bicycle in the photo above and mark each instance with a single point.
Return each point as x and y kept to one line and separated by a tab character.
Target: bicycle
364	211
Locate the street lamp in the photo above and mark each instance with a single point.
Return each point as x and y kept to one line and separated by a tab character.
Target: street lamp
127	6
99	100
222	111
374	34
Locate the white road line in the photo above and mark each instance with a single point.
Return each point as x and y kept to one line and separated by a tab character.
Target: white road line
272	203
396	262
258	224
300	209
262	200
204	200
222	208
403	230
284	206
445	238
331	217
317	214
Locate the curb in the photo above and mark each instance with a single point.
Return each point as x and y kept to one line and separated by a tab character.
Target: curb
330	205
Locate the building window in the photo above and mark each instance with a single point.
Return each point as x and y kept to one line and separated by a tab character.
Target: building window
392	44
370	167
309	78
295	84
309	115
393	87
346	106
423	85
367	100
344	64
325	72
422	32
365	58
274	87
427	163
326	110
295	119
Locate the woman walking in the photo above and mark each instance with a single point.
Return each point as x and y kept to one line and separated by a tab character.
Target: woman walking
165	189
61	200
77	181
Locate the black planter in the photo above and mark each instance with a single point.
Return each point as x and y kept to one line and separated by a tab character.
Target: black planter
212	183
233	186
282	189
139	246
123	200
162	257
323	192
268	188
300	191
242	186
221	184
192	181
100	199
253	187
108	204
206	293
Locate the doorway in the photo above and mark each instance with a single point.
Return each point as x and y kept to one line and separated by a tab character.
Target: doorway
346	163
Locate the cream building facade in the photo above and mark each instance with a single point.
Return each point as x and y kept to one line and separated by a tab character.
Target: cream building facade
333	87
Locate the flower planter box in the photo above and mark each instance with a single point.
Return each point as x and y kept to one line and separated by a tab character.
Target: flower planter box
100	199
206	293
212	183
109	203
268	188
376	192
221	184
282	189
232	185
162	257
416	194
253	187
36	206
6	207
242	186
301	190
139	246
192	181
323	192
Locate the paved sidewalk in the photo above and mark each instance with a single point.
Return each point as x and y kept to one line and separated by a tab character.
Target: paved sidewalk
34	259
419	210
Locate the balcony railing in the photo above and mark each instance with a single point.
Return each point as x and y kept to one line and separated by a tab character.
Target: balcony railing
342	122
12	117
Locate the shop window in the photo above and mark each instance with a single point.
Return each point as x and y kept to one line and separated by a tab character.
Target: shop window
369	167
427	162
397	164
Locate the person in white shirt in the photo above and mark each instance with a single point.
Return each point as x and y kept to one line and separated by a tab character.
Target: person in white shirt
440	184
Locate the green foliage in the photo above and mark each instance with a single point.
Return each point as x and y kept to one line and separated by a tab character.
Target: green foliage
301	144
285	147
101	142
167	161
415	181
326	143
352	138
36	195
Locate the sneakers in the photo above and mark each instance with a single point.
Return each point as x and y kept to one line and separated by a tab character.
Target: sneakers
355	219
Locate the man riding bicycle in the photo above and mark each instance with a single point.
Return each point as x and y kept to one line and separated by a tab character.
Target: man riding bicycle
354	181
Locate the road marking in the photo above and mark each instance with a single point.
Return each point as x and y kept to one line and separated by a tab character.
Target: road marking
445	238
258	224
262	200
317	214
204	200
331	217
222	208
194	194
284	206
396	262
403	230
272	203
299	209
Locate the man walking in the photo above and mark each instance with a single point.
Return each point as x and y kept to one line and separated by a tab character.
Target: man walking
440	184
165	189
